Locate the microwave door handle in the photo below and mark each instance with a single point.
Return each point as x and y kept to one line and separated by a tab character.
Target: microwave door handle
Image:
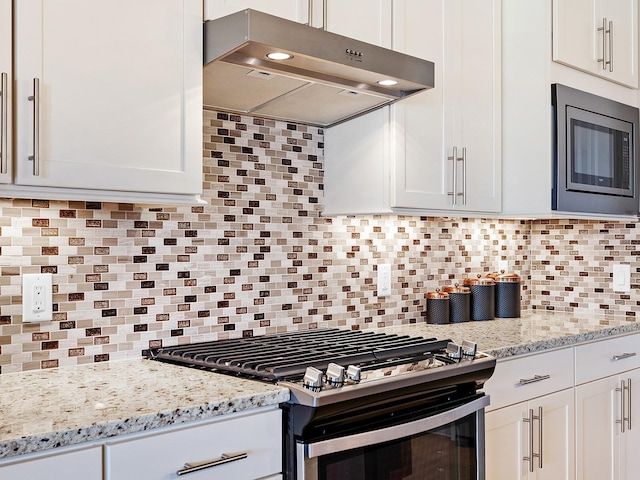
326	447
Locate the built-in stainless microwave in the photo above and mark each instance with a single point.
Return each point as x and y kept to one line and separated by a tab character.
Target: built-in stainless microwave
595	164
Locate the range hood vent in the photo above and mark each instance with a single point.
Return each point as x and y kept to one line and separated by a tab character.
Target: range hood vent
328	78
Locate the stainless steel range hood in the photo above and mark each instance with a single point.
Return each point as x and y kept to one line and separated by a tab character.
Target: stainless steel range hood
327	79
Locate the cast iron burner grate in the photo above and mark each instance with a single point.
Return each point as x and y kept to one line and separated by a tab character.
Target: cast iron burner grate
287	355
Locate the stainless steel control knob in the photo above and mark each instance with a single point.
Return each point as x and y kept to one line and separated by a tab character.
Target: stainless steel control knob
313	379
335	375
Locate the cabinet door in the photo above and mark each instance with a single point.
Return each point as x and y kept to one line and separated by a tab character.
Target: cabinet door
589	33
505	443
365	20
83	464
460	117
597	433
509	436
558	436
630	444
120	94
5	90
296	10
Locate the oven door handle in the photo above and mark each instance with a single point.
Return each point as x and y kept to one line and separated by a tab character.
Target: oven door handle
326	447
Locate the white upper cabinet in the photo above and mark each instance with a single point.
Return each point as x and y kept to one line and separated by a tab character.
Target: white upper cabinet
448	153
296	10
400	159
108	98
365	20
599	37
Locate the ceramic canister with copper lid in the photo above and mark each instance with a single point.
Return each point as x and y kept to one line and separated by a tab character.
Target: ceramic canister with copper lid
482	297
437	307
507	294
459	303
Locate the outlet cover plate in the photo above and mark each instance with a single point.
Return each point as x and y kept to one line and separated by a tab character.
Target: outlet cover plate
37	297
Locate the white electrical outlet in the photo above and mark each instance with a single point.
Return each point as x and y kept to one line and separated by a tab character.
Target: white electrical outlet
503	266
621	277
384	280
37	297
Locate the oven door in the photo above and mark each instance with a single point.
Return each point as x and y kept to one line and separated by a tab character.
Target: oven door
448	446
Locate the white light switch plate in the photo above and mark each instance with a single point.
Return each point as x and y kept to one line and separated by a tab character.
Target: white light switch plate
384	280
37	297
622	277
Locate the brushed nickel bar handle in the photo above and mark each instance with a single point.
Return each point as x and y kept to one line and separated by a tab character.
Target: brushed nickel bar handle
603	29
464	175
534	379
454	190
629	403
35	98
539	437
622	356
610	45
531	454
4	130
325	14
621	389
191	467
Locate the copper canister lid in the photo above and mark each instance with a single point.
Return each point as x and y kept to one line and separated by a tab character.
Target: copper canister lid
437	295
479	280
503	277
457	289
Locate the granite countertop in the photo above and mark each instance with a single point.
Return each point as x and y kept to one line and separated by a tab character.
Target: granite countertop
45	409
533	332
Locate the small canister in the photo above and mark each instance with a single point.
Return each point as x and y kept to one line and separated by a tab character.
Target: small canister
437	307
459	303
507	294
482	297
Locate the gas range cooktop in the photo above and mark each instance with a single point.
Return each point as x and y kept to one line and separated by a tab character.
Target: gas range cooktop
330	365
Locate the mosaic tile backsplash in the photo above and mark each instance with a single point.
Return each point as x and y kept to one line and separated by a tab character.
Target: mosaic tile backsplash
260	258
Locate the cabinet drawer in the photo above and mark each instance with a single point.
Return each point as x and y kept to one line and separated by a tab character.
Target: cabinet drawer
607	357
159	456
522	378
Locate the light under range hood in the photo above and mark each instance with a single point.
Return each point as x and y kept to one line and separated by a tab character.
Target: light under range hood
327	79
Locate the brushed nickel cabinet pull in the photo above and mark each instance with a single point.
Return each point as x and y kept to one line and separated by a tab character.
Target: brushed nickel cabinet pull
605	32
35	98
464	175
622	356
539	437
629	403
4	128
534	379
191	467
454	191
532	455
611	45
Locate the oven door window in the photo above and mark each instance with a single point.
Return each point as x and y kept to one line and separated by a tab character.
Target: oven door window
449	452
599	150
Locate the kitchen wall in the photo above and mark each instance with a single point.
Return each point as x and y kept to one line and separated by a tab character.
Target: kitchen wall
260	258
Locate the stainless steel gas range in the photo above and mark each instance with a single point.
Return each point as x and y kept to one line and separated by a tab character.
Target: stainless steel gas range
364	405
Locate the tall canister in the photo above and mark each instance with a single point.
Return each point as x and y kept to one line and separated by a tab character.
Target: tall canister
482	297
507	294
437	307
459	303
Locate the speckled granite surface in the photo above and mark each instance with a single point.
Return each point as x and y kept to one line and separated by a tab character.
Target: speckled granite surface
533	332
64	406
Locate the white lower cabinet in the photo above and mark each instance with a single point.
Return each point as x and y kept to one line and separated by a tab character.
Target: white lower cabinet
575	406
543	426
83	463
530	430
254	439
607	444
